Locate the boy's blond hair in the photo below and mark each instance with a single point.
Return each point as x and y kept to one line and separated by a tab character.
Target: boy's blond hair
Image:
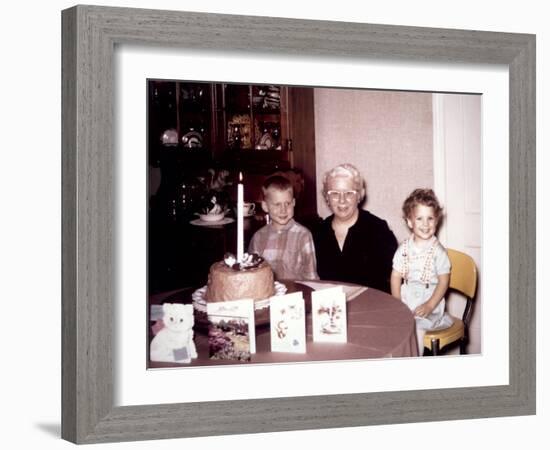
277	182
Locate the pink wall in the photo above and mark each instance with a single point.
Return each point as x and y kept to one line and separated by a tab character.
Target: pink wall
388	136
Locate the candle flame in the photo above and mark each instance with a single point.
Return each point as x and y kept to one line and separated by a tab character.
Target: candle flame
240	177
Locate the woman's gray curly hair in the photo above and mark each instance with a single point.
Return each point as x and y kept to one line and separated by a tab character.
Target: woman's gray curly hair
345	170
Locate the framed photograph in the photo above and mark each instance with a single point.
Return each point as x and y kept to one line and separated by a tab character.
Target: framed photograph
95	202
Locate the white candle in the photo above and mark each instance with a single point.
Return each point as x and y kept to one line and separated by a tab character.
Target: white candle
240	215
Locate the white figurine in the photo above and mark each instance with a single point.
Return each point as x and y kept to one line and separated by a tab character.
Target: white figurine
174	342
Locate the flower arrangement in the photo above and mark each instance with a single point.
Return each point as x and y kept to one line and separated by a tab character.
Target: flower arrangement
215	196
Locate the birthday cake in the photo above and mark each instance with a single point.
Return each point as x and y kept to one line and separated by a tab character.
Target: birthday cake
229	283
229	280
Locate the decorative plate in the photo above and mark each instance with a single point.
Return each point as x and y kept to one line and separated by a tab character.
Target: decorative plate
202	223
199	303
266	141
193	139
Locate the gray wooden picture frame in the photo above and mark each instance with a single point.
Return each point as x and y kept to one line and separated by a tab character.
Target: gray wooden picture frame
90	34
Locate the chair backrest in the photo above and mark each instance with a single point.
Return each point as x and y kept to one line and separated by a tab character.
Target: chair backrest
463	273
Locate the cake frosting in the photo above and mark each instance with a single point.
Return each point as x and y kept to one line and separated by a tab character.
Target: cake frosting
226	282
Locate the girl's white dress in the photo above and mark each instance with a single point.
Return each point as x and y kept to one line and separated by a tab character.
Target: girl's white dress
420	268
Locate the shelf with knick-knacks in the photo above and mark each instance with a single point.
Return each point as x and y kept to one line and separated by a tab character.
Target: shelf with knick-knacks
254	128
219	116
255	117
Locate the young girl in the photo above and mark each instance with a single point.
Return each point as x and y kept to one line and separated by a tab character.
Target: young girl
421	267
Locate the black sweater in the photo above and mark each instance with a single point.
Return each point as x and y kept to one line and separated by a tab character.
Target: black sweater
366	257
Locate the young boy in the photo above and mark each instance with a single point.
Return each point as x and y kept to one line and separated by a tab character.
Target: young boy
285	244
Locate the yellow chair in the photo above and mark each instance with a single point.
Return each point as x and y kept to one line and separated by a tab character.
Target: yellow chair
463	280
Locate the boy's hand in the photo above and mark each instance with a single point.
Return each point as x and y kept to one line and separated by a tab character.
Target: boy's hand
424	310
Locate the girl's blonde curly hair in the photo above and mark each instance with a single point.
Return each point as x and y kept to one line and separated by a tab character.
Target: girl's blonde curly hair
424	197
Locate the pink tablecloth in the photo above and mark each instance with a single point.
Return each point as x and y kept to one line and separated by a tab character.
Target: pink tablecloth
379	326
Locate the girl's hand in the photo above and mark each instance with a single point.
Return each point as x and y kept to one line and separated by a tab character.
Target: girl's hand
424	310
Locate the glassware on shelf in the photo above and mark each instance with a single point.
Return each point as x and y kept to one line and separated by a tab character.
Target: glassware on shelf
169	137
193	138
238	132
266	98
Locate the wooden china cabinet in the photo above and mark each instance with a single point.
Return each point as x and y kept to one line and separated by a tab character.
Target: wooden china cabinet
200	136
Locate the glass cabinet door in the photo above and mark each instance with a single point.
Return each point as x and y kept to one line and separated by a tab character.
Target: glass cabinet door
266	113
195	115
254	118
238	119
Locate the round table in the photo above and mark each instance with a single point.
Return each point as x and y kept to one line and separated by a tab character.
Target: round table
379	326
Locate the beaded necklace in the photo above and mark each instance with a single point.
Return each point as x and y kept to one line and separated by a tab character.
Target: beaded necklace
427	270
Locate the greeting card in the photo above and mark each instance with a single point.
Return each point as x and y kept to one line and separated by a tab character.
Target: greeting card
231	330
328	312
288	323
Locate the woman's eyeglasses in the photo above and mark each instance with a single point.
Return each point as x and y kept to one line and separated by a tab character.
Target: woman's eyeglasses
337	195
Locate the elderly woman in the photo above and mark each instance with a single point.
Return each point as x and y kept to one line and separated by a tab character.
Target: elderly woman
352	244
